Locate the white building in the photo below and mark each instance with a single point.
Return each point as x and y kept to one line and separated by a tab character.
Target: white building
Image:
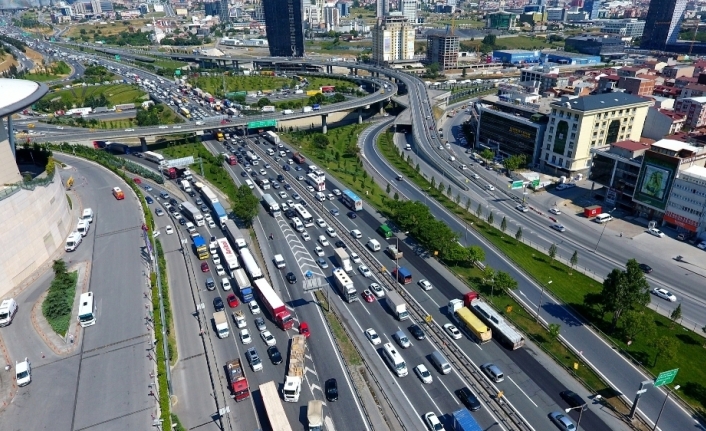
393	39
686	208
332	17
409	10
624	27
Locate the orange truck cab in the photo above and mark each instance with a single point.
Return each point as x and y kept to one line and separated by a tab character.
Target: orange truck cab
119	195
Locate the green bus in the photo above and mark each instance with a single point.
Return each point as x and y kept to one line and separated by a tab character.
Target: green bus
385	231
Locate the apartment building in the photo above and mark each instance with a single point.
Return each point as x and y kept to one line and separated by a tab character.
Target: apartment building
393	39
547	77
686	208
694	109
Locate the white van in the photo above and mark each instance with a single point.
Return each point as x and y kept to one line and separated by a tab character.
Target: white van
87	215
270	152
320	197
603	218
373	245
73	241
297	224
8	308
82	227
250	184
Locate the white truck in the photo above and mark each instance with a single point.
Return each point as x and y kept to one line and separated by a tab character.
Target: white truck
279	261
343	259
397	305
287	112
306	109
295	372
219	317
239	318
315	415
185	186
345	284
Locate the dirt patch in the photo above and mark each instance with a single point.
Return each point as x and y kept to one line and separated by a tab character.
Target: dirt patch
6	61
35	57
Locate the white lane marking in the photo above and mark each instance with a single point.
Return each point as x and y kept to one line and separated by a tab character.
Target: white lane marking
523	392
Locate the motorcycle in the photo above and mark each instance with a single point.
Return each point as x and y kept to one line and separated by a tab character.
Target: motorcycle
679	258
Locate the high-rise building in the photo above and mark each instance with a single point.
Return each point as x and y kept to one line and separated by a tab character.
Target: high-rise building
212	8
591	7
662	23
409	10
382	8
393	39
96	7
442	49
332	17
283	22
224	15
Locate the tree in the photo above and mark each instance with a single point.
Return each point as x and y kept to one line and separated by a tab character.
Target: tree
635	323
489	40
552	251
263	102
433	182
59	267
320	141
574	259
487	155
448	190
433	70
518	234
503	224
416	168
623	291
515	162
676	314
504	281
554	329
245	205
475	253
441	187
490	218
665	348
468	204
488	275
387	189
457	199
479	211
396	197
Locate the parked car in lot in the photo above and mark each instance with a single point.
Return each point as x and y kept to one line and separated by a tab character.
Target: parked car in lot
655	232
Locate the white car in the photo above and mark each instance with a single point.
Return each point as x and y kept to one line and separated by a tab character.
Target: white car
23	372
664	294
163	127
423	373
323	241
424	284
702	245
355	233
212	224
321	223
559	227
283	195
225	283
245	336
453	331
319	251
476	176
354	257
377	290
331	197
311	189
129	130
332	233
216	258
373	336
656	232
220	270
336	192
433	422
306	237
555	211
489	187
169	230
263	172
268	338
522	208
254	308
365	271
60	128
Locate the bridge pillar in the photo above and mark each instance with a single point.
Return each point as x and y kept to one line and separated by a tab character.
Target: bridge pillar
355	71
324	127
237	64
360	115
382	108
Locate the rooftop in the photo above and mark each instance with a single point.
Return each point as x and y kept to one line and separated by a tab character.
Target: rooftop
516	51
19	94
570	54
601	101
674	145
701	99
695	171
631	145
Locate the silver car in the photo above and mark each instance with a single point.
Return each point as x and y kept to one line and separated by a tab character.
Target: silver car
562	421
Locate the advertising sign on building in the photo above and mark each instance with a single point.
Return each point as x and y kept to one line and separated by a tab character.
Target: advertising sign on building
655	180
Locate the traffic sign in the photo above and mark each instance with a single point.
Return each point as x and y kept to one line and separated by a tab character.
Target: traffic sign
428	318
666	377
262	124
517	185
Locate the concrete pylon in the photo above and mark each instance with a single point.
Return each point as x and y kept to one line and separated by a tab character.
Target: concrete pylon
324	127
360	115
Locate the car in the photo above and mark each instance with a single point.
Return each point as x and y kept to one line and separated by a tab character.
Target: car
300	177
268	338
365	271
352	214
701	245
555	211
377	290
323	241
645	268
417	332
182	221
423	374
424	284
23	372
433	422
468	399
334	212
664	294
322	262
129	130
220	270
336	192
148	188
573	399
204	208
304	329
373	336
295	195
253	359
368	296
159	212
559	227
137	180
216	258
306	237
204	267
310	189
260	324
655	232
254	308
263	172
476	176
522	208
287	187
291	278
298	168
290	203
562	421
340	244
275	355
149	200
218	303
489	187
283	195
331	197
319	251
331	389
290	213
452	331
321	223
355	233
232	300
169	230
354	257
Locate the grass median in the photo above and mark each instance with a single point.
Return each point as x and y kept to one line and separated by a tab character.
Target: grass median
350	354
58	303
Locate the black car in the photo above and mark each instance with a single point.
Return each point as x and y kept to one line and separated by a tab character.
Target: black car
645	268
303	202
173	202
182	221
253	174
274	354
218	303
352	214
291	278
275	186
468	399
204	208
243	174
340	244
149	200
417	332
280	177
198	202
286	167
331	390
287	186
573	399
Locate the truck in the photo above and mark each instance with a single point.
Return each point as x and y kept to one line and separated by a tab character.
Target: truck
273	407
306	109
230	260
463	421
315	415
185	186
246	294
268	108
239	318
343	259
393	252
345	284
221	214
274	305
279	261
287	112
298	158
192	213
397	305
272	137
402	275
295	372
219	318
230	159
271	205
238	382
201	247
219	136
459	311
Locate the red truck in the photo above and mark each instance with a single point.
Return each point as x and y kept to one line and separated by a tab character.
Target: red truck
298	158
268	297
173	173
238	382
230	159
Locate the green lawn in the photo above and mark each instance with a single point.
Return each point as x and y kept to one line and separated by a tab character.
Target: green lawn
214	84
169	64
516	42
116	94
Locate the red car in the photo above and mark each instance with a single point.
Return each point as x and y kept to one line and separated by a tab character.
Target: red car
304	329
232	300
137	180
204	267
368	296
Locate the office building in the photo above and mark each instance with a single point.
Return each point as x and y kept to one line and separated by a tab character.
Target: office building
382	8
442	49
547	77
577	124
591	8
687	202
516	56
501	20
596	45
332	18
393	39
564	57
661	123
212	8
409	10
556	14
96	7
664	18
344	8
624	27
637	86
616	167
283	22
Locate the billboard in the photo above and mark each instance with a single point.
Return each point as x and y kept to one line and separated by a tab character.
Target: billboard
387	45
655	180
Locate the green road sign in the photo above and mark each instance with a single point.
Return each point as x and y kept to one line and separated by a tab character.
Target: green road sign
262	124
177	72
666	377
117	57
517	185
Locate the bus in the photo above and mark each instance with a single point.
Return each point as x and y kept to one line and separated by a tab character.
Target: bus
385	231
318	182
503	331
185	112
250	265
304	215
394	359
271	205
86	312
153	157
351	200
273	407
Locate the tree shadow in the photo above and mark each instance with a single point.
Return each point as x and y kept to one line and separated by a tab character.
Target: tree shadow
688	339
559	312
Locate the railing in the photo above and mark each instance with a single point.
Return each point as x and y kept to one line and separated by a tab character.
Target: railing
32	184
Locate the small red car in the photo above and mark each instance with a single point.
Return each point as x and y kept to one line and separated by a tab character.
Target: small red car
304	329
204	267
232	300
137	180
368	296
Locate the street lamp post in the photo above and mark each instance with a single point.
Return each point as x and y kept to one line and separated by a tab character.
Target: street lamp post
539	304
580	414
603	231
676	388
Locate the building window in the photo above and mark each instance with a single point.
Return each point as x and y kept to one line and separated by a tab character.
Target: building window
569	154
551	129
593	143
553	159
576	117
546	157
573	136
561	161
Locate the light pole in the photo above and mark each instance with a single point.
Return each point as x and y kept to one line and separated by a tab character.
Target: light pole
539	304
676	388
425	195
581	407
603	231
